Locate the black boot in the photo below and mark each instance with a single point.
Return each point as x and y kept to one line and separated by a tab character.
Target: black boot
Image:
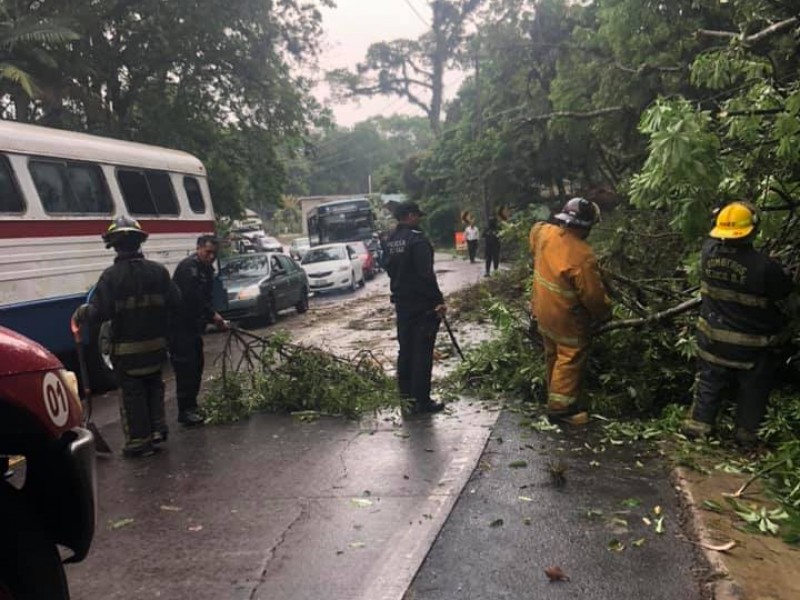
190	418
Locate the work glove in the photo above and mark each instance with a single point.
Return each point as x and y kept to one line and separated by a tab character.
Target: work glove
82	314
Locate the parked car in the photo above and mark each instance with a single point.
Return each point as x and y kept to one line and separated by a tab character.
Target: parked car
260	285
54	503
368	264
299	247
260	240
332	267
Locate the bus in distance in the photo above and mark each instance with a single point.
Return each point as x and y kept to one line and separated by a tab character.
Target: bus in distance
348	220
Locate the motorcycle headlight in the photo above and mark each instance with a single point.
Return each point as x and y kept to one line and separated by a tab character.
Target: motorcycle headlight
249	292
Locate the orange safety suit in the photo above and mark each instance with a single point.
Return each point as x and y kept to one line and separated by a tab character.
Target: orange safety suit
567	299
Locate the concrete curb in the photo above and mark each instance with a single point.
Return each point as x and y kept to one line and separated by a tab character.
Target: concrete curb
721	585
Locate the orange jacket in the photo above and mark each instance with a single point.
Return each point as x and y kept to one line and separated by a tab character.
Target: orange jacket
568	295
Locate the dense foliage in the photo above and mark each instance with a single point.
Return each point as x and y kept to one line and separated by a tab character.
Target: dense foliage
216	79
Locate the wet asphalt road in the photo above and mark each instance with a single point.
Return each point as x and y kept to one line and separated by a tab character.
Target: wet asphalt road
591	526
273	508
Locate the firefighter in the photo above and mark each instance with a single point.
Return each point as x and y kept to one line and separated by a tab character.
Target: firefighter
194	277
568	300
139	298
740	326
419	306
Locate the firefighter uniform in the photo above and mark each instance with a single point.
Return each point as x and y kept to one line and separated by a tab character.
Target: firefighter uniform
740	326
567	299
415	294
139	298
195	279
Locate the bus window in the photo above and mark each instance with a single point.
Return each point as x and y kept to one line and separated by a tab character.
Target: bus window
162	192
136	192
70	187
196	202
88	186
10	198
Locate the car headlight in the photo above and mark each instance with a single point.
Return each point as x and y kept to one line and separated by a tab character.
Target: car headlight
343	268
249	292
71	381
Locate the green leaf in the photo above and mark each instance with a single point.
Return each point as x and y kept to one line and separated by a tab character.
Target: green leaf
631	503
518	464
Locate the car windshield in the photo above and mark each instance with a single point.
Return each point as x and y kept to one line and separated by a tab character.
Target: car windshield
316	255
245	267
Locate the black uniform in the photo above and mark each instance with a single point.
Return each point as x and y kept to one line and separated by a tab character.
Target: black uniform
491	247
140	300
738	330
195	280
415	294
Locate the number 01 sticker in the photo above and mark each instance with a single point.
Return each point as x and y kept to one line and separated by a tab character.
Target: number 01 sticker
55	399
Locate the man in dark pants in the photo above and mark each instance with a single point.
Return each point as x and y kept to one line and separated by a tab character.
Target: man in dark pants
419	305
140	300
739	327
194	276
491	248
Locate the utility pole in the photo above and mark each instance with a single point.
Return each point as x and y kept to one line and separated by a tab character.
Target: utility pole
479	116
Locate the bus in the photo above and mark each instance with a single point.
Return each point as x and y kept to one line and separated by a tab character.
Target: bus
59	191
347	220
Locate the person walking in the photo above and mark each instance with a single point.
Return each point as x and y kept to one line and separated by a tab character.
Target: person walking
194	276
740	325
419	306
141	301
568	301
472	236
491	248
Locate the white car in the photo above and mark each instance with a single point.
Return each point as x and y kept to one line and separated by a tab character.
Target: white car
332	267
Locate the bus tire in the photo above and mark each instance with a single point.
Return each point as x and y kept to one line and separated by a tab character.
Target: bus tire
101	373
30	565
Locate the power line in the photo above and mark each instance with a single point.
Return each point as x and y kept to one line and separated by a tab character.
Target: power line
416	12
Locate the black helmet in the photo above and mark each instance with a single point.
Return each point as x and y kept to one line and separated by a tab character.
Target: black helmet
124	228
579	212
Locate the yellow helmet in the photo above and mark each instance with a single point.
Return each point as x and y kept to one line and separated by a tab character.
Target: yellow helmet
735	221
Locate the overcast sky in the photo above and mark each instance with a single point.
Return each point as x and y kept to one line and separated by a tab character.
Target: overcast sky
350	28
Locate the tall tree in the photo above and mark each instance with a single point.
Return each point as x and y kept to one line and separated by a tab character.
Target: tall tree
219	80
25	55
412	69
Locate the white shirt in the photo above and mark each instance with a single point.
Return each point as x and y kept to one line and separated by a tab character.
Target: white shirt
471	233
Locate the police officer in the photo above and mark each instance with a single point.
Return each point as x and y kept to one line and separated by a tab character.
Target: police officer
739	325
419	306
194	277
140	300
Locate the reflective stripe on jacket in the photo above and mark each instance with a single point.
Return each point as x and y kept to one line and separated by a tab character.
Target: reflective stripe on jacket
738	316
139	298
568	295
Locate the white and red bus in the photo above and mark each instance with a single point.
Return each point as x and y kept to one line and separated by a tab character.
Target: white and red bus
59	191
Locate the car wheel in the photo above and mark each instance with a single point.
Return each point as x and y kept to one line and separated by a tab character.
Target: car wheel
362	283
270	311
302	304
370	275
30	566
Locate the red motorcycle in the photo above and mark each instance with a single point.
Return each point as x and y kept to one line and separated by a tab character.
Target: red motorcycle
41	420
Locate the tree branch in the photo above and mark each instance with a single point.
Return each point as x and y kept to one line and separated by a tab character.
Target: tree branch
567	114
751	39
644	68
659	316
